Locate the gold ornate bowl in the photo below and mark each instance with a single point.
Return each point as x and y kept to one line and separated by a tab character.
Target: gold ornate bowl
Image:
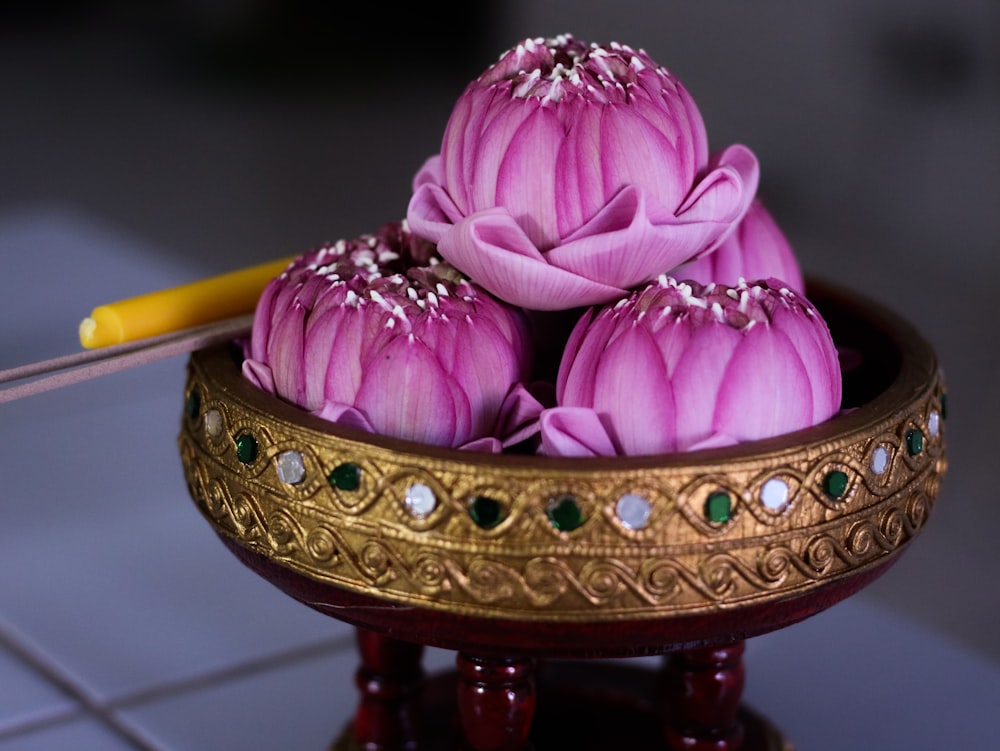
638	553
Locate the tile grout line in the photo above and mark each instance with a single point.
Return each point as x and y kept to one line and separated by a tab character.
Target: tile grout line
107	712
233	672
217	677
87	707
41	720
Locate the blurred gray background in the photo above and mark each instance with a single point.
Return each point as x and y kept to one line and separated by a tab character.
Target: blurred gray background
229	132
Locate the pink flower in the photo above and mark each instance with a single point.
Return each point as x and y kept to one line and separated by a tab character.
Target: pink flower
678	367
571	173
757	249
379	335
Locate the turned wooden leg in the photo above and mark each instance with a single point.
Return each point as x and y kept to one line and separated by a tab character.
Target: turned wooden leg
496	701
702	689
388	679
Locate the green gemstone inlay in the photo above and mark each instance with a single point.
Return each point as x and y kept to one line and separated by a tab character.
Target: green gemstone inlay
565	514
719	507
835	484
486	512
192	406
246	448
346	476
914	441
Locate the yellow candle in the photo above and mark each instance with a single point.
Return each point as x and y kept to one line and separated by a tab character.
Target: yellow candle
201	302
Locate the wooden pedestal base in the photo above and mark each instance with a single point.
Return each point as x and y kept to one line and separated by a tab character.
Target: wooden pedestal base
528	704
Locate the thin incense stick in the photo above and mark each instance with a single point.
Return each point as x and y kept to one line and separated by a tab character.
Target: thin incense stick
82	366
150	327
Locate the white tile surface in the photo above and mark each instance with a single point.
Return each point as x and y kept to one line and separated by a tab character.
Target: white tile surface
304	704
855	676
85	735
27	697
126	600
59	264
106	564
859	676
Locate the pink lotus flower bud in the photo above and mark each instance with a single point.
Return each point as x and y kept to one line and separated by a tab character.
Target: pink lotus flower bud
679	366
358	334
571	173
757	249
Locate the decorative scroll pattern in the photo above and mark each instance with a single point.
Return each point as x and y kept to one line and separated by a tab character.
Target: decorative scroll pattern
366	539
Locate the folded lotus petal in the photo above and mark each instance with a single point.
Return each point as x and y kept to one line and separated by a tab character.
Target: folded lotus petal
774	400
526	178
431	212
321	331
259	374
276	297
822	365
519	413
284	354
345	338
634	395
803	325
430	172
582	378
699	375
634	152
726	191
714	441
260	331
491	372
310	290
574	431
496	123
406	394
488	375
486	445
581	192
457	161
623	246
581	332
474	143
491	248
757	249
686	130
346	415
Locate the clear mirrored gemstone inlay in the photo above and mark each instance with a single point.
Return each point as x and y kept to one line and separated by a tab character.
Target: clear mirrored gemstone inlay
213	423
633	511
880	460
774	494
291	469
934	424
420	500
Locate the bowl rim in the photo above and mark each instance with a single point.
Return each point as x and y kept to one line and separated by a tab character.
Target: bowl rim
918	366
